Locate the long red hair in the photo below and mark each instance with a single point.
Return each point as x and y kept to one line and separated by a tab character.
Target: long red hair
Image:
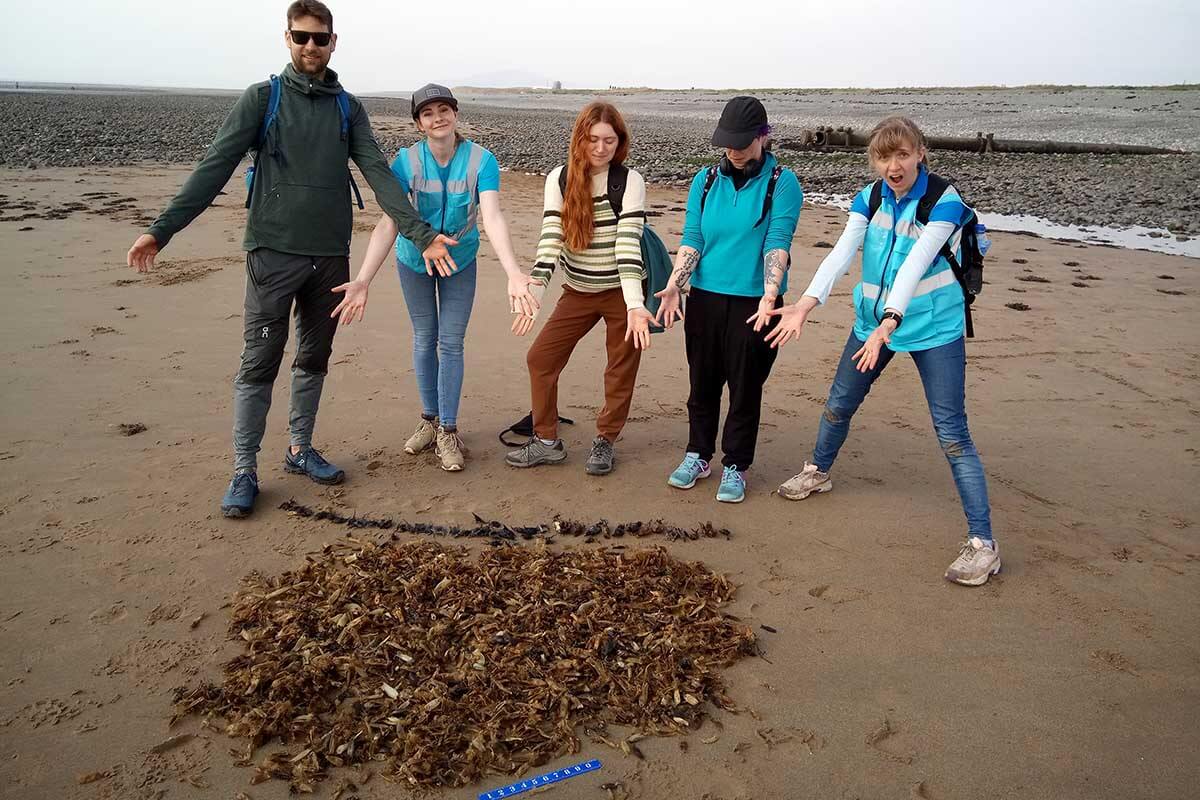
577	220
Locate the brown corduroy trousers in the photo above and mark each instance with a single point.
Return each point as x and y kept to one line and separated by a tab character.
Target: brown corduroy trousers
575	315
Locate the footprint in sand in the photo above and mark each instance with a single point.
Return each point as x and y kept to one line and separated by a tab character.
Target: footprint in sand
1111	659
105	616
878	737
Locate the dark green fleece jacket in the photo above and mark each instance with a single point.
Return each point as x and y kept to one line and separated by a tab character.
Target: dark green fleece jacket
301	199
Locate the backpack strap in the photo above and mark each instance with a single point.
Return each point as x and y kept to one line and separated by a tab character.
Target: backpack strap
272	112
618	176
934	189
769	199
343	103
710	177
273	94
875	200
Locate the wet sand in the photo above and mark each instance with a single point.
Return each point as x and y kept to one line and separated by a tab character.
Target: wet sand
1072	674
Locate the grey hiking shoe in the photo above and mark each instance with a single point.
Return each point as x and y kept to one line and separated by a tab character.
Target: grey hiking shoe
978	560
600	460
534	452
422	437
810	480
450	450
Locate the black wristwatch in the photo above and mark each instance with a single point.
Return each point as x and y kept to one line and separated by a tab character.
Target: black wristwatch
893	315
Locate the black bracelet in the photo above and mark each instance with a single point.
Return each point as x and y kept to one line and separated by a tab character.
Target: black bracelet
893	315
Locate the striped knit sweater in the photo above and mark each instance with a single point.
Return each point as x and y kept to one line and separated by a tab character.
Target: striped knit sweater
614	258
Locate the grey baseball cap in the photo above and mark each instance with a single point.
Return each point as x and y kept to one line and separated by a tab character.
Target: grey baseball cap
432	93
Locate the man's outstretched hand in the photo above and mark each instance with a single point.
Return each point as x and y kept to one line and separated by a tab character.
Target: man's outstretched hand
141	255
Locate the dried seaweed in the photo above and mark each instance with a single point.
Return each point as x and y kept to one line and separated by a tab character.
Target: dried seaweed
496	530
448	666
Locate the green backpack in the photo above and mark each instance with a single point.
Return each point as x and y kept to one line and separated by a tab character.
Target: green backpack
655	257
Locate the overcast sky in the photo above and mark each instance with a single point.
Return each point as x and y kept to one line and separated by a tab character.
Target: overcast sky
396	46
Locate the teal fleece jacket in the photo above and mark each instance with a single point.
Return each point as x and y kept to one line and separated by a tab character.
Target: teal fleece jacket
301	199
730	243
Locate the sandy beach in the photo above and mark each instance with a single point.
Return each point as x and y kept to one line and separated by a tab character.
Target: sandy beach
1073	674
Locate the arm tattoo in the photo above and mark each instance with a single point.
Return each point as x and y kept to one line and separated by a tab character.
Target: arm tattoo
688	259
775	265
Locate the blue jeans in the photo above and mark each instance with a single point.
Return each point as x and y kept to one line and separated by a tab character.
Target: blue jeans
943	374
440	309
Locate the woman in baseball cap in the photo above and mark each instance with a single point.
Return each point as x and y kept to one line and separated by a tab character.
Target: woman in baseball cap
452	182
737	234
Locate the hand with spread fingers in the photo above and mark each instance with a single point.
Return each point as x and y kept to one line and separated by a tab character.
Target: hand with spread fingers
437	256
670	307
141	255
523	323
762	317
521	300
868	355
354	302
638	327
791	321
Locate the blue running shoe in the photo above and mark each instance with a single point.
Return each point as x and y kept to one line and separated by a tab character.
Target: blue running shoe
239	497
309	462
733	486
690	470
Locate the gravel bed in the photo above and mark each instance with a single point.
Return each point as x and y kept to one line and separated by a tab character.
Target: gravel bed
671	142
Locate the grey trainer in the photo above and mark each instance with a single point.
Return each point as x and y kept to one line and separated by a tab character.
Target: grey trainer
977	561
422	438
809	480
600	460
535	452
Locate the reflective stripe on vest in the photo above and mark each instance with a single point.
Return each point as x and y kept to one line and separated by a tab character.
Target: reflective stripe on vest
932	284
419	184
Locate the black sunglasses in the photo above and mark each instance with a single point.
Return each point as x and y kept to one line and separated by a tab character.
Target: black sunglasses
301	37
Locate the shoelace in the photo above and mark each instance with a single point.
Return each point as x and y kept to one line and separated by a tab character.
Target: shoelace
445	440
691	462
311	453
809	470
731	474
240	478
602	447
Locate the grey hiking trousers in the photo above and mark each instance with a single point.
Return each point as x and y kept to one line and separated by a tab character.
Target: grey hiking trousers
274	282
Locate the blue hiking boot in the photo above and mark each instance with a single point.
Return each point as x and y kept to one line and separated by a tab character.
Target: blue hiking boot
690	470
309	462
239	497
733	486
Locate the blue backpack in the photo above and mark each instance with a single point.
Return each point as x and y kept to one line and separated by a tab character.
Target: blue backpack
343	104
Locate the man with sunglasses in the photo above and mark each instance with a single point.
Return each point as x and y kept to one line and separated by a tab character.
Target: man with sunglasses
297	238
